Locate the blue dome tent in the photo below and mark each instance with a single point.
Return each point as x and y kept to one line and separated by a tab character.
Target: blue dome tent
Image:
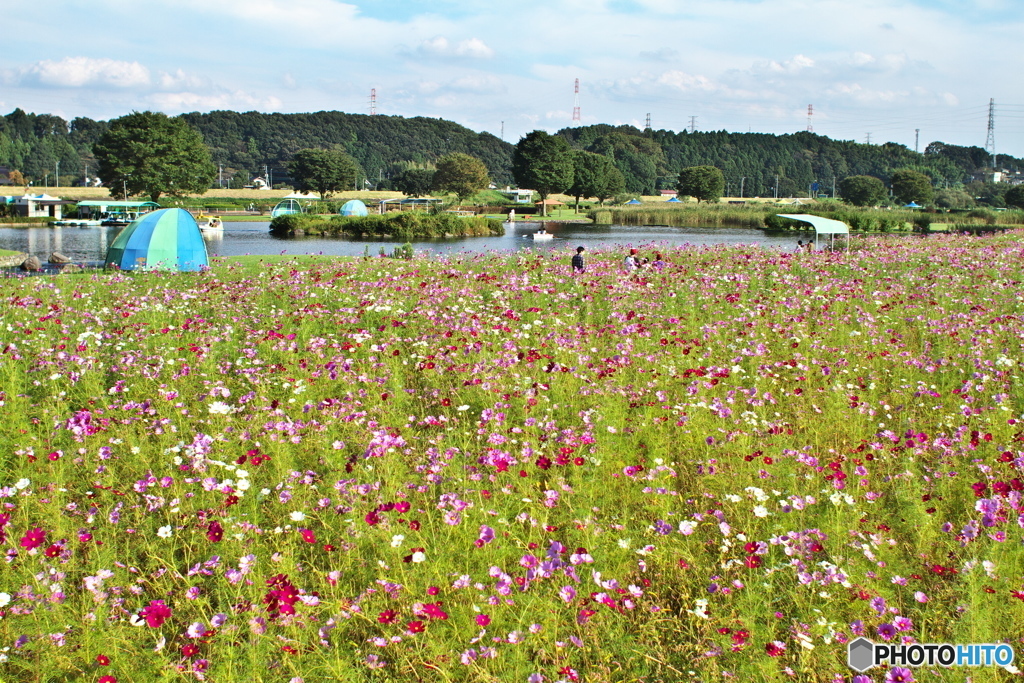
353	207
634	201
168	239
674	199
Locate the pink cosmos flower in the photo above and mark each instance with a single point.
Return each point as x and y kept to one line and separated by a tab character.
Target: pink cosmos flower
482	620
156	613
307	535
34	538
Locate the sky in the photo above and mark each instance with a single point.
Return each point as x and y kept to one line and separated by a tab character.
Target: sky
904	71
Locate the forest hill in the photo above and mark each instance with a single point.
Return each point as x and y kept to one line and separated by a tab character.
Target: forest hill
252	143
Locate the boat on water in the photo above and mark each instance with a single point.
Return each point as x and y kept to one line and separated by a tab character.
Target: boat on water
541	234
78	223
209	223
113	213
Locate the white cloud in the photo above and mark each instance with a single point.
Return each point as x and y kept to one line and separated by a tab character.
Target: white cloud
79	72
179	80
179	102
440	47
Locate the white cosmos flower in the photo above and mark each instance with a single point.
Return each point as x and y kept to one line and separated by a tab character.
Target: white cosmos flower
219	408
396	540
298	516
165	531
5	599
419	556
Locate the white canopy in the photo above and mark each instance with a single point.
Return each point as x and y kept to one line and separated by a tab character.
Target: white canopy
822	226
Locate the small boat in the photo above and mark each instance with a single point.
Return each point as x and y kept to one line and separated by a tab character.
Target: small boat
541	235
209	223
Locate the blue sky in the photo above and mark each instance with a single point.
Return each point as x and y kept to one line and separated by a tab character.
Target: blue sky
878	68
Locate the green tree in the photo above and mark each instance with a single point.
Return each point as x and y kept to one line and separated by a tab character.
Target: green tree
460	174
1015	197
953	199
911	186
414	182
151	154
324	171
594	175
703	183
543	163
862	190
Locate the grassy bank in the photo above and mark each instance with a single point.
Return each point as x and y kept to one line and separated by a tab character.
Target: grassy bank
399	226
765	216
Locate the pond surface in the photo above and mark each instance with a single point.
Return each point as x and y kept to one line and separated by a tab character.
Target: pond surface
236	239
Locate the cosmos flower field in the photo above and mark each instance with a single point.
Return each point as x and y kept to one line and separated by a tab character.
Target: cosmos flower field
485	468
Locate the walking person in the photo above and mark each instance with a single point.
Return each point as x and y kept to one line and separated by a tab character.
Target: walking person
577	260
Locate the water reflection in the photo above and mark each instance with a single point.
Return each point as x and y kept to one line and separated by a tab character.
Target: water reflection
235	239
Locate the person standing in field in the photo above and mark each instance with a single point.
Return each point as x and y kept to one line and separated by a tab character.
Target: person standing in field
577	260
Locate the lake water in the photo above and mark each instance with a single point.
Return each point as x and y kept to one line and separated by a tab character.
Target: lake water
236	239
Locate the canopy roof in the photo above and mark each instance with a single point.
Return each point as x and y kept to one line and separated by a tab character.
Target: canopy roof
168	239
822	226
118	205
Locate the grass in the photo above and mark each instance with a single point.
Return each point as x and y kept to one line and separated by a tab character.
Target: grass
482	468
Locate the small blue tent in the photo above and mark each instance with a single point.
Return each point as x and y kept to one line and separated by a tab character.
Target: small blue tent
353	207
674	199
634	201
168	239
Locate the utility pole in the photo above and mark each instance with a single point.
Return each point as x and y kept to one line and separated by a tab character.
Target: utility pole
776	185
917	138
990	141
742	180
57	175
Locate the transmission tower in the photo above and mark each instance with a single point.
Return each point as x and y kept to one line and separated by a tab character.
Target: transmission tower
917	138
647	125
693	124
373	101
576	103
990	141
810	113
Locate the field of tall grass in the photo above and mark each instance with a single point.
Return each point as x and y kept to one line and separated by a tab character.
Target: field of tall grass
488	468
760	215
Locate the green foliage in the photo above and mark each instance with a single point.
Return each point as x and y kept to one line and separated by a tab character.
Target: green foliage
862	190
543	163
953	199
460	174
1015	196
324	171
909	185
594	175
151	154
399	225
414	182
703	183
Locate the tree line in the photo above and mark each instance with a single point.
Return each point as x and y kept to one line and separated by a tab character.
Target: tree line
390	152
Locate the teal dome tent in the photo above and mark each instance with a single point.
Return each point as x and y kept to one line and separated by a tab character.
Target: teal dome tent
353	207
168	239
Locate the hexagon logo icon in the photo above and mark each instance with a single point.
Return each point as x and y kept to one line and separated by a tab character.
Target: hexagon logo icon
860	654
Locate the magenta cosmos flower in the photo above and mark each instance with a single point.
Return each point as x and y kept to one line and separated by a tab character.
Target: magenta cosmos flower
34	538
156	613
